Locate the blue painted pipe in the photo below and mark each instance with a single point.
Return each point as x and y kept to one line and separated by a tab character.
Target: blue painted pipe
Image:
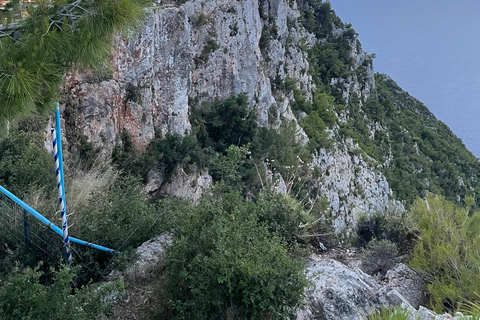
48	223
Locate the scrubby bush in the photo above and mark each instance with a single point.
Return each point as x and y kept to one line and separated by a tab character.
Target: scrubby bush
447	252
281	214
378	257
395	313
225	263
223	123
369	228
398	228
24	166
25	295
117	217
172	151
210	46
166	154
230	168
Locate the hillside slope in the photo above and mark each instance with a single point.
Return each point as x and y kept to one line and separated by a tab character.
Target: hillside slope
300	67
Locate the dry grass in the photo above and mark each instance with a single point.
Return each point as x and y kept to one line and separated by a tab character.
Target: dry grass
81	184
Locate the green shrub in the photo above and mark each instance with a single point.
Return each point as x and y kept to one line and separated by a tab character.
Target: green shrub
173	151
281	215
24	296
225	263
378	257
229	168
200	20
210	46
223	123
446	253
117	217
396	228
24	166
165	154
369	228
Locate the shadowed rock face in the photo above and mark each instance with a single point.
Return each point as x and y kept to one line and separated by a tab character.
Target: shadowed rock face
339	292
202	51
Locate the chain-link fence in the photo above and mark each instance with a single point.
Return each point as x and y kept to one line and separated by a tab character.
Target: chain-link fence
22	225
19	227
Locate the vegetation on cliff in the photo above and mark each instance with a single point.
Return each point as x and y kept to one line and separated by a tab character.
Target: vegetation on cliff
239	252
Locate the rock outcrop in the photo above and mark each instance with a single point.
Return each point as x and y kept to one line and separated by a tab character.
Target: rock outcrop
339	292
149	257
206	50
408	283
351	185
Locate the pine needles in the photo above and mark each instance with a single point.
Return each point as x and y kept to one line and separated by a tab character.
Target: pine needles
58	36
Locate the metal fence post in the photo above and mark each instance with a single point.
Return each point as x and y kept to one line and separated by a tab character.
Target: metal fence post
25	227
57	149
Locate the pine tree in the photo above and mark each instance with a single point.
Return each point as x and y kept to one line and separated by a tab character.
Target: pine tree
58	36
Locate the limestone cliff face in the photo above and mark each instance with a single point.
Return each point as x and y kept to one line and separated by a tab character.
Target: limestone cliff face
211	49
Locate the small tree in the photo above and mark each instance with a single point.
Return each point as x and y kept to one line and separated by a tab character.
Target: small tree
448	251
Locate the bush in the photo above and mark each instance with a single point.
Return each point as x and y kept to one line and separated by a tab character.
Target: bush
378	257
282	215
166	154
398	229
369	228
117	217
210	46
447	251
223	123
228	168
23	296
225	263
25	167
171	152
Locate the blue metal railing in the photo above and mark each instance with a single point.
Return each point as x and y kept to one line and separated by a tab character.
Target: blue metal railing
49	224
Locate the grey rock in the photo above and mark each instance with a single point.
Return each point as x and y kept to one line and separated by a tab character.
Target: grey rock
149	257
186	186
408	283
353	186
157	73
339	293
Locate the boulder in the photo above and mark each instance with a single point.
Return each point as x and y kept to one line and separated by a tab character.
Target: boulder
340	293
408	283
149	257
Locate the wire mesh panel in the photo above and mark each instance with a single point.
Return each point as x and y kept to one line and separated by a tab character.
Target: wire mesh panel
18	227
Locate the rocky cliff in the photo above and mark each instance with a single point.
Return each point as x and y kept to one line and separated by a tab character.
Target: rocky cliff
209	50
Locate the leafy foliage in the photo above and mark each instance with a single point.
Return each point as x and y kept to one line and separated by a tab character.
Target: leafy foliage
24	296
117	217
24	166
395	228
223	123
226	262
395	313
378	257
320	115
